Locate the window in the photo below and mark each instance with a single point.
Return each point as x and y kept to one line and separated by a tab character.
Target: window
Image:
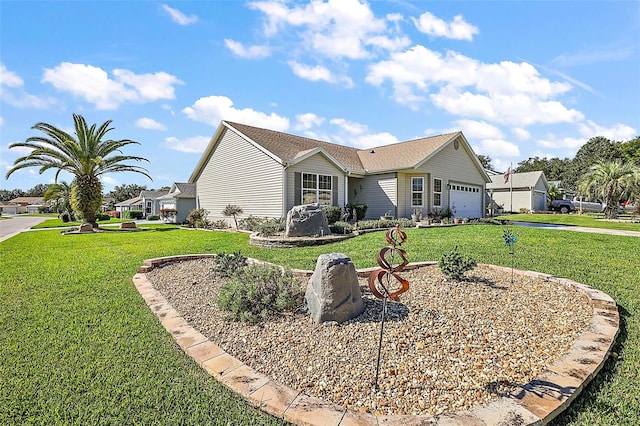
316	189
417	191
437	192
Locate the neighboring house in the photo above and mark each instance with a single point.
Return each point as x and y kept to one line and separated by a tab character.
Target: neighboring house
521	191
266	173
134	203
182	198
149	201
20	205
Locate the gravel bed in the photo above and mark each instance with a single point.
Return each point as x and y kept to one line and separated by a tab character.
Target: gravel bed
447	345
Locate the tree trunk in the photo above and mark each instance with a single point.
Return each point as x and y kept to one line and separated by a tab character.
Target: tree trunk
86	197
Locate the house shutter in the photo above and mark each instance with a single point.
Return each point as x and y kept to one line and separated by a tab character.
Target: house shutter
334	190
297	189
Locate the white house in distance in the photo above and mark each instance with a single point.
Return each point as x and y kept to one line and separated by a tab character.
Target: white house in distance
521	191
266	173
182	198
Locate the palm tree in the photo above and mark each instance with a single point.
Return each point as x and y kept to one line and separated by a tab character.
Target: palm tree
60	193
554	193
86	157
610	181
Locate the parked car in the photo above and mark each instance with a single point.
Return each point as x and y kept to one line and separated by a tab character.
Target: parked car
586	205
562	206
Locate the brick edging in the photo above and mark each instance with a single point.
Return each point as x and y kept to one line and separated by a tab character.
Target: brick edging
537	402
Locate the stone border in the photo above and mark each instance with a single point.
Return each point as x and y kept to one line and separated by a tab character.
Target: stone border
536	403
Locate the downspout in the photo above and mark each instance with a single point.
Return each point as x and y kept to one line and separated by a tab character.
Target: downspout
284	189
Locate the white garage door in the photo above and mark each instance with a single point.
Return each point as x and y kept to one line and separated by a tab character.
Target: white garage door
467	200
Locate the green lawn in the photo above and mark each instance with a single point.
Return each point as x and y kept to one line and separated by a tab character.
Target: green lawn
587	220
79	346
58	223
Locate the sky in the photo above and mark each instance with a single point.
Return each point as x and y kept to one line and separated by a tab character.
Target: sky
519	78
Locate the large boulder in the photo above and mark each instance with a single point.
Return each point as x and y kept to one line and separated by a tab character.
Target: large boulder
305	221
333	293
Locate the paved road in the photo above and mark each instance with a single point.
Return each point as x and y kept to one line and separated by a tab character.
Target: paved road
17	224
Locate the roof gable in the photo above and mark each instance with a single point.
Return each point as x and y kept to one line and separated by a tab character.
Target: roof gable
517	180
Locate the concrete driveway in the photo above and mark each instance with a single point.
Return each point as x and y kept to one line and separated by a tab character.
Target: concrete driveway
17	224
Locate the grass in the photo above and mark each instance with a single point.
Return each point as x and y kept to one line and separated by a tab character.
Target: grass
590	220
58	223
79	346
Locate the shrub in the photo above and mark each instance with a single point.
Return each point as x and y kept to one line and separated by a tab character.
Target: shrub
332	213
219	224
384	223
132	214
103	216
454	264
65	217
153	217
341	228
524	210
250	223
258	292
228	265
270	228
197	218
360	209
232	210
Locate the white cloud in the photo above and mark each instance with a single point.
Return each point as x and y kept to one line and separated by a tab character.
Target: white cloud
195	144
1	121
334	29
150	124
357	135
307	121
457	29
108	180
318	73
498	148
563	143
9	78
213	109
252	52
520	133
478	129
617	132
179	17
94	85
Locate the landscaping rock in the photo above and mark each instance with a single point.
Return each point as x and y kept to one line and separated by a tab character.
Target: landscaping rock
333	293
85	227
128	225
306	220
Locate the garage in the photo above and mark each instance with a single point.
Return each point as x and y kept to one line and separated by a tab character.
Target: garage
467	200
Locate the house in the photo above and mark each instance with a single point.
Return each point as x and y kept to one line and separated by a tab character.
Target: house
134	203
20	205
266	173
520	191
149	201
182	198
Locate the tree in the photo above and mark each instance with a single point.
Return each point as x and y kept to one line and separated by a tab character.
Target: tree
485	160
87	157
631	150
554	193
37	191
610	181
553	168
126	191
60	194
232	210
6	195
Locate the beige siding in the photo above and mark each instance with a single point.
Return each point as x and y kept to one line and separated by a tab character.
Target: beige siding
379	192
239	173
404	193
521	199
452	165
318	164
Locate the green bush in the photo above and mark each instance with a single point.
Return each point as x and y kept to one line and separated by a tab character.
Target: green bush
65	217
332	213
269	229
258	292
102	216
153	217
132	214
228	265
341	228
197	218
360	209
219	224
454	264
384	223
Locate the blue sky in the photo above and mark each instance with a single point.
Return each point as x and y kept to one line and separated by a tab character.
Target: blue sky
520	79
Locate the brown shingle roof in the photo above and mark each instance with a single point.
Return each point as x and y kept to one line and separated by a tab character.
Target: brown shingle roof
403	155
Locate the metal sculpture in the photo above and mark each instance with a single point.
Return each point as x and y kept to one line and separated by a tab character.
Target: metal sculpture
510	239
380	279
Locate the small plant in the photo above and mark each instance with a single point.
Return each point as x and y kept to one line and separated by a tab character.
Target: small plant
454	264
153	217
332	213
232	210
102	216
258	292
359	209
197	218
132	214
65	217
219	224
341	228
228	265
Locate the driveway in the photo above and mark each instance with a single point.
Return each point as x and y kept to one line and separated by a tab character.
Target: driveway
17	224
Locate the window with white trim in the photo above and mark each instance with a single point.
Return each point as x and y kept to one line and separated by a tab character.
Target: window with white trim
316	189
417	191
437	192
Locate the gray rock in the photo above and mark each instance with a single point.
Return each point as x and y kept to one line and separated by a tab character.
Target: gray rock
333	293
306	220
85	227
